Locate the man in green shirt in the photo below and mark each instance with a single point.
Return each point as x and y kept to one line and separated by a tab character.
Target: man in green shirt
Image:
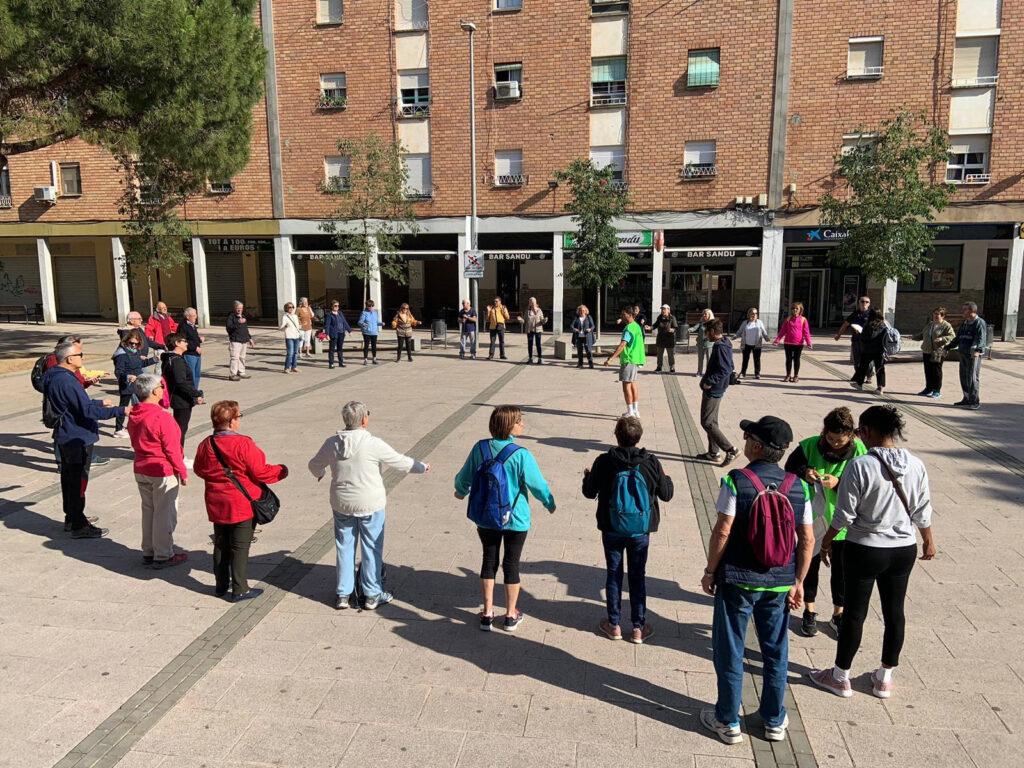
631	356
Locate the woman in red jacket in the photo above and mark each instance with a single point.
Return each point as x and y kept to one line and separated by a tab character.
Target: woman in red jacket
226	506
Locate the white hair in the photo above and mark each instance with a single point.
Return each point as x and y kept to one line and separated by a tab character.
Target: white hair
353	413
145	385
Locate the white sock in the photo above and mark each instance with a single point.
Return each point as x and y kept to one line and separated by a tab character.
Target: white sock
884	674
840	674
631	409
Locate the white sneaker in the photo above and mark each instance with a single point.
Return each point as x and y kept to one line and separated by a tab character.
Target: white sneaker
777	733
728	734
121	433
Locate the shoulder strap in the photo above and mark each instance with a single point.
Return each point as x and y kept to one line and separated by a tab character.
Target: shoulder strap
507	451
227	469
485	450
895	483
787	483
753	478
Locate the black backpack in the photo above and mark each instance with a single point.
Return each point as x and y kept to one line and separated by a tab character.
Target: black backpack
38	371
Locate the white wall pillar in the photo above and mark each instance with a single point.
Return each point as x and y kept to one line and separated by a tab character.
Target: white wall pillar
1011	302
284	273
557	285
375	292
889	301
657	279
772	264
121	297
463	246
202	297
46	290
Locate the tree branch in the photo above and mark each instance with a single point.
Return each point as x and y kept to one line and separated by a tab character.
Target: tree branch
31	145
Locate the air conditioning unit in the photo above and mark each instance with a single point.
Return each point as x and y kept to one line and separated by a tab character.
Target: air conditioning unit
509	90
46	194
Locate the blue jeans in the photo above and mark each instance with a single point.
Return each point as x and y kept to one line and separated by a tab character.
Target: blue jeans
195	364
468	334
291	353
531	338
370	533
636	561
733	607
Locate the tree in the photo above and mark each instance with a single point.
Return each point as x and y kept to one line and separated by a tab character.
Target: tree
167	82
373	211
889	193
594	203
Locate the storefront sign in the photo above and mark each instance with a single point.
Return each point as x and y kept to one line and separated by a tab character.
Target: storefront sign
825	235
643	239
473	264
712	253
816	235
239	244
516	255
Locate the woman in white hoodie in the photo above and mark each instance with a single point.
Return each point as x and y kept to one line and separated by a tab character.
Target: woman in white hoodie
881	497
358	500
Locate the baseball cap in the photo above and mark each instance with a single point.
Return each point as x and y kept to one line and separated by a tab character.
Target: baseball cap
770	431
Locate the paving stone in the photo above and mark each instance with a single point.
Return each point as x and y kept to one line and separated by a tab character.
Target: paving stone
480	712
512	752
294	742
299	696
930	708
406	748
992	750
426	667
827	742
884	746
588	720
358	700
195	733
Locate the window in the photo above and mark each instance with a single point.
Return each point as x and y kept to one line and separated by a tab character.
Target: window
864	58
970	110
942	275
5	185
977	14
410	14
149	187
414	85
336	174
508	168
974	62
699	160
70	180
858	142
508	81
968	160
702	68
608	81
508	5
222	187
608	6
603	157
333	91
419	185
329	12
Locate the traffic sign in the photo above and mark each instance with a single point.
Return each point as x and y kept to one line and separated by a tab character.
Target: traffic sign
473	262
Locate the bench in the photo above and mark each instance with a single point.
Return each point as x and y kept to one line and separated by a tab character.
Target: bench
564	349
22	311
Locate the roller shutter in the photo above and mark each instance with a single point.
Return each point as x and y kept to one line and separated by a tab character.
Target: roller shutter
225	278
77	287
19	281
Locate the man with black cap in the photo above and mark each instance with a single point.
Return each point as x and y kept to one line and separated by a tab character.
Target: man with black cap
743	586
665	326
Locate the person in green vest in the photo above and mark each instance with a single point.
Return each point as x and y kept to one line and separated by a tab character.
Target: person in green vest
820	460
631	356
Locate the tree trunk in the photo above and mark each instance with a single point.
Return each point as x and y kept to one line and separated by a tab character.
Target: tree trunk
149	286
597	325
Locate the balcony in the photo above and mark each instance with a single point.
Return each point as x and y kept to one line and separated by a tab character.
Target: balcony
221	187
865	73
977	178
698	171
979	81
608	94
414	110
419	195
332	99
619	185
6	201
510	180
335	185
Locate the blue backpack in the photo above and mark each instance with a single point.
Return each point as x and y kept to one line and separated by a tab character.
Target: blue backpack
629	504
489	503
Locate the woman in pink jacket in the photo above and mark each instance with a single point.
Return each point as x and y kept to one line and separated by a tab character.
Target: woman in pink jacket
795	334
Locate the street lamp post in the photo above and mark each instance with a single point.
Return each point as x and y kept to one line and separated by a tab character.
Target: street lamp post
468	26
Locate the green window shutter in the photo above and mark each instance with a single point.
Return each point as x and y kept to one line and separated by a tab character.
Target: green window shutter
608	70
703	66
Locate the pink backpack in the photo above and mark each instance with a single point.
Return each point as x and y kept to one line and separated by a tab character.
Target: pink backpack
165	400
771	524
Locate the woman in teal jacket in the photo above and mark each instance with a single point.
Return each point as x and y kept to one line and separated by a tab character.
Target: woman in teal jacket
523	475
370	325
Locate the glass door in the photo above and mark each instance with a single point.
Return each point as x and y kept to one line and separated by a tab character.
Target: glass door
808	286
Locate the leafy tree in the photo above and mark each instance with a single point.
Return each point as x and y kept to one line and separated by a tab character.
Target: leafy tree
888	194
372	204
597	260
167	82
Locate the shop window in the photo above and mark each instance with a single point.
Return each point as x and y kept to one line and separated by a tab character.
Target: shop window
336	174
329	11
702	68
508	81
70	180
414	86
864	58
968	160
942	275
410	14
333	91
5	185
418	185
608	81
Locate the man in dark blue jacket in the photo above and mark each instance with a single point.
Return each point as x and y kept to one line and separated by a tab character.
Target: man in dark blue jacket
75	435
713	385
971	343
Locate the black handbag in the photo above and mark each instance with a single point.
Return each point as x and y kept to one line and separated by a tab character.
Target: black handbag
266	507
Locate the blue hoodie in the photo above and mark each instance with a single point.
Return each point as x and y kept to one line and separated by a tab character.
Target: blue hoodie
79	413
370	322
523	475
719	369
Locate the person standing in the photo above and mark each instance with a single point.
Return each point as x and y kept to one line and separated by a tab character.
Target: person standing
239	341
133	321
160	325
713	385
358	500
880	498
743	585
971	342
467	332
632	355
703	345
601	482
128	366
305	314
403	323
583	335
194	351
664	328
336	326
159	470
370	324
497	316
856	321
795	334
533	324
182	390
751	334
523	476
872	352
75	435
936	336
292	338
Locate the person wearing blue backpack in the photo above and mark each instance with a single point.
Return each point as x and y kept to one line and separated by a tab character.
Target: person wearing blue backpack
627	482
497	476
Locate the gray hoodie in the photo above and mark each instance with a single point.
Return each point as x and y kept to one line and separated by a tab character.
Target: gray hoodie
867	504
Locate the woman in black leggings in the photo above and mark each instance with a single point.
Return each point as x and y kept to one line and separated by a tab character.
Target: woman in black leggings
872	352
502	518
881	497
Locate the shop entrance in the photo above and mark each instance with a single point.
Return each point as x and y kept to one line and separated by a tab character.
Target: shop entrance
634	288
809	287
995	287
697	289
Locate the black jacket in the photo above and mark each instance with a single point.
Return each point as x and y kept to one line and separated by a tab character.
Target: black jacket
238	331
597	483
665	328
180	386
191	334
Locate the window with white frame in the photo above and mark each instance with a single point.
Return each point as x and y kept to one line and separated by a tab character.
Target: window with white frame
508	80
70	180
336	173
858	142
418	186
608	81
329	11
614	157
864	57
221	187
598	7
970	110
702	68
5	184
974	62
974	15
699	159
148	185
411	14
968	159
508	5
333	91
508	168
414	89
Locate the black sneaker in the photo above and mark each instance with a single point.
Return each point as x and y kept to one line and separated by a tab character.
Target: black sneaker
486	622
147	559
959	403
342	603
809	625
89	532
512	622
730	457
836	622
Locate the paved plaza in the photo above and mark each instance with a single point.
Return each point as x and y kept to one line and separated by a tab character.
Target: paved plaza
106	662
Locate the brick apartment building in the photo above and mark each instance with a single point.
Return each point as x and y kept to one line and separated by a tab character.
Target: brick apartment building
721	119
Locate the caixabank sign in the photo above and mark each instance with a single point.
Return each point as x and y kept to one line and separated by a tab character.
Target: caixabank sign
832	235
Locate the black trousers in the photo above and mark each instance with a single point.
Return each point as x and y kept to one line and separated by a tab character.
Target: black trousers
369	342
531	338
499	334
492	541
867	359
335	346
932	373
404	342
793	353
670	348
864	567
583	349
182	416
122	401
75	458
836	580
231	556
756	352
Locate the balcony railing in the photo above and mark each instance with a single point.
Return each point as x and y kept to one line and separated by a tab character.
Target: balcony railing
864	73
607	94
332	99
981	81
418	195
977	178
699	171
414	110
409	25
619	185
510	180
6	201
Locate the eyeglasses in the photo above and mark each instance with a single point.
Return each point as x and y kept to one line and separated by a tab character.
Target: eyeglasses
77	354
134	346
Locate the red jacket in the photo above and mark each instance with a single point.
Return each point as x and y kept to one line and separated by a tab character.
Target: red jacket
158	328
224	502
156	439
